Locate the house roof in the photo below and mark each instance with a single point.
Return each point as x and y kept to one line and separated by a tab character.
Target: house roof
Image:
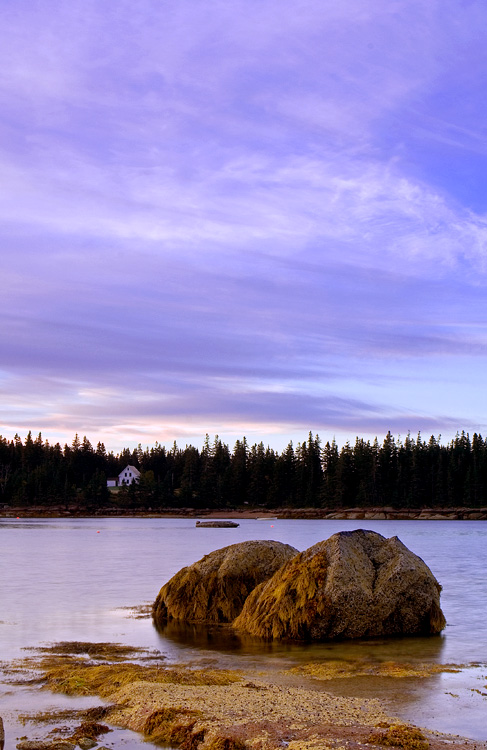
133	469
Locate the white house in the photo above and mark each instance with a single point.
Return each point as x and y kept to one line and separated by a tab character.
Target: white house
129	475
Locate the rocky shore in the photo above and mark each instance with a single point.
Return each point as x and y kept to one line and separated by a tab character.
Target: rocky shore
367	514
388	513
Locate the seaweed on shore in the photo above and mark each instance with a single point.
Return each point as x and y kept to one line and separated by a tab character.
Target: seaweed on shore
100	651
177	727
91	729
173	726
400	735
77	678
335	669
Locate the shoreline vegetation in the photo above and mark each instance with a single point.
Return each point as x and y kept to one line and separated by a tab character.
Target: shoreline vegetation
410	476
199	706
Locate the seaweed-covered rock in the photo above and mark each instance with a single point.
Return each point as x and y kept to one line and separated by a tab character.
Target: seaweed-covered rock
45	745
355	584
87	743
215	588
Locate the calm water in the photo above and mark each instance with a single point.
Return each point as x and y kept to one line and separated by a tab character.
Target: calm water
73	580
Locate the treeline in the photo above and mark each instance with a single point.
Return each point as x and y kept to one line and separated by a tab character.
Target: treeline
409	473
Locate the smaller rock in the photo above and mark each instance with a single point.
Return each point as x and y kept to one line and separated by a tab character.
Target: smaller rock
213	589
86	743
217	524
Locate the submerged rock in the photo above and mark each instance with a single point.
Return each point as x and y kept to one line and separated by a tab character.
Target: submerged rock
215	588
217	524
355	584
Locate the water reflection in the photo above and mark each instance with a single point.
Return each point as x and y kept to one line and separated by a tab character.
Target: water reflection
224	639
219	638
194	635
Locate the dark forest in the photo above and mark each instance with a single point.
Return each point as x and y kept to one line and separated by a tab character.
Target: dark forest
408	473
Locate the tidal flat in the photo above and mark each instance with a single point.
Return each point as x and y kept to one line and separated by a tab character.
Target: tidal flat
213	708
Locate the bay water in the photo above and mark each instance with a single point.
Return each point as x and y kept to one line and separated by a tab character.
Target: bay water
80	580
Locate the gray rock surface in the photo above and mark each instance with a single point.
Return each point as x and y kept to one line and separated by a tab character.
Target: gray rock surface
214	588
355	584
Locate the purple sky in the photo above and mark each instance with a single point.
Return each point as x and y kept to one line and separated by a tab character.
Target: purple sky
243	217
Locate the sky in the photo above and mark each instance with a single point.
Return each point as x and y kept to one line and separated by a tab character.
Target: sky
256	218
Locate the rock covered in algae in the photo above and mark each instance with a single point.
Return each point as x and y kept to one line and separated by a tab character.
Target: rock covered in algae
215	588
355	584
45	745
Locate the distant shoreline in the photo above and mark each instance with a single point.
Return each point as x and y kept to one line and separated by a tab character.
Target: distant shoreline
345	514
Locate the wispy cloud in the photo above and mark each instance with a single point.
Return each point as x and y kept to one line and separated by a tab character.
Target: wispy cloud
242	216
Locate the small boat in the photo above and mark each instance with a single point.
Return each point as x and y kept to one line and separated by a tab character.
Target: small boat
217	524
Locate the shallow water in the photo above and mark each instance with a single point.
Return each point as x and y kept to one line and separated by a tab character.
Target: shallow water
70	580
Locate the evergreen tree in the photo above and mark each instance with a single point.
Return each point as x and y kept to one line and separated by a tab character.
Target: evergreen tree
331	494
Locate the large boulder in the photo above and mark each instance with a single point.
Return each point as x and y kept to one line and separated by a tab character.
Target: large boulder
215	588
356	584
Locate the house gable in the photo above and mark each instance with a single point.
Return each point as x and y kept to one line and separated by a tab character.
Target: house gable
129	475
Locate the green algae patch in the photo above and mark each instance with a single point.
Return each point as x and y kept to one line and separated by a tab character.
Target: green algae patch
338	669
400	735
78	678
